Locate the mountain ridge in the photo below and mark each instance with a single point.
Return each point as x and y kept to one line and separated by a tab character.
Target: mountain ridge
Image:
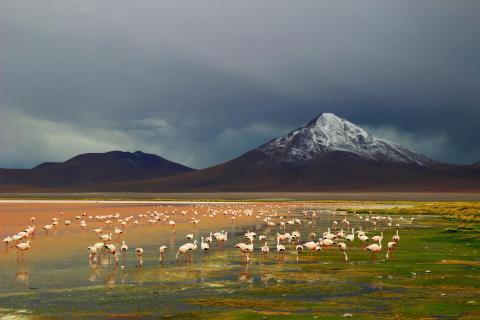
329	153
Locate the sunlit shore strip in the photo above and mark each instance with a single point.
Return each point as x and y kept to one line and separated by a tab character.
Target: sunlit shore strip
176	201
228	197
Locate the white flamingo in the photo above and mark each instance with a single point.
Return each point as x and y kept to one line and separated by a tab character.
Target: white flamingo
163	250
351	237
280	247
139	254
343	247
391	246
312	245
265	248
374	248
113	251
92	253
123	250
105	237
205	247
378	238
21	247
396	237
185	249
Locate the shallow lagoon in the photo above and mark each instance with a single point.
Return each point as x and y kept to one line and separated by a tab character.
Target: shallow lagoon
432	274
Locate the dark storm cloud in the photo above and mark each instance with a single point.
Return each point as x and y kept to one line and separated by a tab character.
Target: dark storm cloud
202	82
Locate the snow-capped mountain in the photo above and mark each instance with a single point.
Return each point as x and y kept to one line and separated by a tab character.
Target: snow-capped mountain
327	133
328	154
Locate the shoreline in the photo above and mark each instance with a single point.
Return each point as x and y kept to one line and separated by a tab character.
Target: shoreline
141	197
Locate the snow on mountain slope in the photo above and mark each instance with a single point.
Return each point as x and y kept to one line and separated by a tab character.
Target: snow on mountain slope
328	133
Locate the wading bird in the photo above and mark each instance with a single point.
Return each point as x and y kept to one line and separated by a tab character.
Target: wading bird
163	250
139	254
21	247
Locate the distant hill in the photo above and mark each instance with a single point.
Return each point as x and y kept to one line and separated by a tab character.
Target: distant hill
90	170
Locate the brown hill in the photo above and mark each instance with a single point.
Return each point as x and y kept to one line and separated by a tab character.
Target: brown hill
87	171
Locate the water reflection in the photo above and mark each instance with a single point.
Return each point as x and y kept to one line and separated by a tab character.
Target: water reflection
111	278
23	276
245	275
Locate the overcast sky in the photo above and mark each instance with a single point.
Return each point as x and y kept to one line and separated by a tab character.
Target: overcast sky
201	82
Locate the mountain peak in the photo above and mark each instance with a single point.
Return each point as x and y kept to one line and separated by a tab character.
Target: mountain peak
328	133
325	118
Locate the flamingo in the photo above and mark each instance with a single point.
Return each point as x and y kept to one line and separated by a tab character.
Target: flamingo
7	240
139	254
118	231
205	247
312	245
105	237
241	246
112	250
100	246
123	250
163	250
21	247
171	223
299	249
222	237
396	237
280	247
184	249
374	248
326	243
351	237
92	253
247	249
216	234
209	238
189	236
378	238
362	237
391	246
343	247
47	228
265	249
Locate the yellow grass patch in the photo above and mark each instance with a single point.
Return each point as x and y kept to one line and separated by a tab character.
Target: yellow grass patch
463	262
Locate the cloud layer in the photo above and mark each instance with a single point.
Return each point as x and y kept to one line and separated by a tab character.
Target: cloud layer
202	82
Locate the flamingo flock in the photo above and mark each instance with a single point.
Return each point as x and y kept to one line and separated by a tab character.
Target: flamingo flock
281	231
